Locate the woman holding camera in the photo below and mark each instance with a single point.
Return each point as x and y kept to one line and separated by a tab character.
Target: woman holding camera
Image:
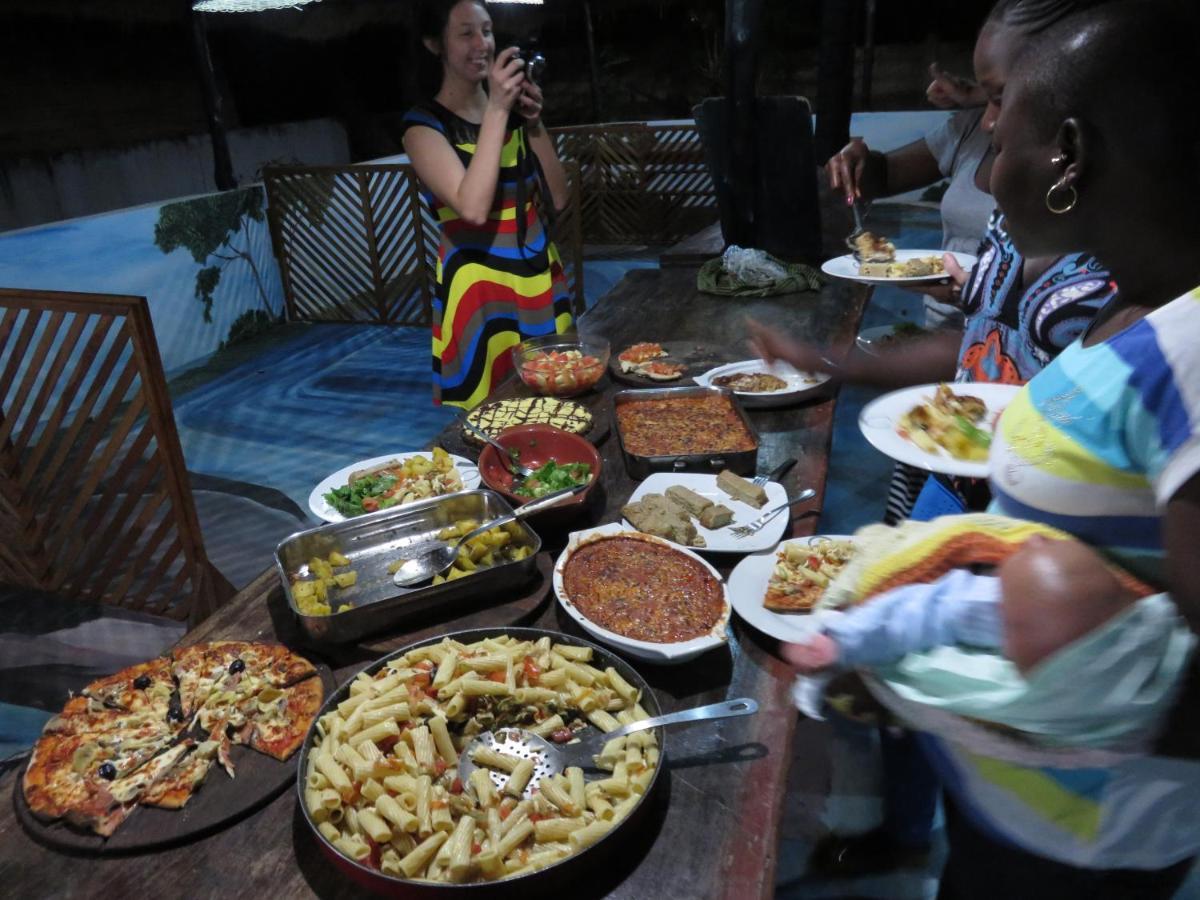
481	154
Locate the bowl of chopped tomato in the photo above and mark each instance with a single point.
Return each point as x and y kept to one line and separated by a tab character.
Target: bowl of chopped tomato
558	458
561	365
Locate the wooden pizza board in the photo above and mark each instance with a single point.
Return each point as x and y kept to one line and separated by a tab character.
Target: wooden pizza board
697	358
219	803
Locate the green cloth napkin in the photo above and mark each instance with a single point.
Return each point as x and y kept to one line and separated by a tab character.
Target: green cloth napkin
714	279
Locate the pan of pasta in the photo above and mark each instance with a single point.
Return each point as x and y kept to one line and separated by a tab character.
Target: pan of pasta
379	776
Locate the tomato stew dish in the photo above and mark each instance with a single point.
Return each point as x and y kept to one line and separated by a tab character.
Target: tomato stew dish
643	590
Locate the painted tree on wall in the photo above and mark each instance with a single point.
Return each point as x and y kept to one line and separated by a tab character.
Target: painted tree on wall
215	230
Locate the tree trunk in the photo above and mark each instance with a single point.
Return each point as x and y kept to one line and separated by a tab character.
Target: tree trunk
213	104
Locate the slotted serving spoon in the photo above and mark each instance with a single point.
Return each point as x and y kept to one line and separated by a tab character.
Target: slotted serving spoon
441	557
551	759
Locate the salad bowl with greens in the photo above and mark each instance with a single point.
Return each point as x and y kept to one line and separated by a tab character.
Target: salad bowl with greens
558	459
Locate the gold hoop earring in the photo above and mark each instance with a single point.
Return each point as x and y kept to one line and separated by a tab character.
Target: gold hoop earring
1072	199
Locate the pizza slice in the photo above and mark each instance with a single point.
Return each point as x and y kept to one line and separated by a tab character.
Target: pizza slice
177	786
145	686
284	716
239	669
661	371
802	573
84	715
107	808
70	771
633	357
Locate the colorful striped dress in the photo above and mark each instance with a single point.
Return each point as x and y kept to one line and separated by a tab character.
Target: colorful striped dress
493	290
1096	445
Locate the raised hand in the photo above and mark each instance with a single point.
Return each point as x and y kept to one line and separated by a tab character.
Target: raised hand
846	167
529	103
506	80
949	91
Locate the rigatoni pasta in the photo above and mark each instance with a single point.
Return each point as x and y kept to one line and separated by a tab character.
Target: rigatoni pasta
382	777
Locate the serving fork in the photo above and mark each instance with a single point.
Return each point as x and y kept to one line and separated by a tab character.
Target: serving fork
744	531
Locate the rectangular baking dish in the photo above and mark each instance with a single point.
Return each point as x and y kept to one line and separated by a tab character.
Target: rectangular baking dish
743	462
374	541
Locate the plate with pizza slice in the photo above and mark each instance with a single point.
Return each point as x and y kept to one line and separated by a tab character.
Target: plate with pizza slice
775	590
655	363
144	758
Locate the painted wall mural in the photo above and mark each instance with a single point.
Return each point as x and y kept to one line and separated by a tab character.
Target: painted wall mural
204	263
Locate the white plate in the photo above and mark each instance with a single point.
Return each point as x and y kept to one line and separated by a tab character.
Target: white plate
721	540
879	417
847	267
668	654
748	588
799	383
320	507
871	340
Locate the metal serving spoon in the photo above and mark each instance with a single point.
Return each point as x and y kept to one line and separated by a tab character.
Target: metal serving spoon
551	759
517	469
423	567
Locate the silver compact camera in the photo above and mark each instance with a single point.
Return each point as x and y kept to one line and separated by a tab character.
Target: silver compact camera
535	64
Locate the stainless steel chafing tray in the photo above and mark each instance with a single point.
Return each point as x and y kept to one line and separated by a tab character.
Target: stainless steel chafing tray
743	462
374	541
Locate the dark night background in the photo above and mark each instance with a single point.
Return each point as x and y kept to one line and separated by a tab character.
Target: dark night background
89	74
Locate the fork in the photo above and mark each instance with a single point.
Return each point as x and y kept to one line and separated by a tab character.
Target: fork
858	225
506	459
744	531
775	474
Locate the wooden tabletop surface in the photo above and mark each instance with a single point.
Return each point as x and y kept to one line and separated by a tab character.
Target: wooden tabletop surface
711	831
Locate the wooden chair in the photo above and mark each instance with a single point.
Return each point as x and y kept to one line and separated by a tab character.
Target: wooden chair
94	497
358	244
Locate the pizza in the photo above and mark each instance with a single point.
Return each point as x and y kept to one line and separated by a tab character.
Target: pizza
149	734
638	354
661	371
645	360
802	572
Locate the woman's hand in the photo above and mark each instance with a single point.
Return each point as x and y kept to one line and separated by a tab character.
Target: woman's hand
506	80
769	344
945	292
846	167
947	91
817	654
529	104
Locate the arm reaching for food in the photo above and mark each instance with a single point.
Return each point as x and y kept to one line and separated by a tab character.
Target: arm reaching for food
919	361
959	608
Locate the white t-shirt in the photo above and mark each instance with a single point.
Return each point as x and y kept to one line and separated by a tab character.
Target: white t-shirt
959	145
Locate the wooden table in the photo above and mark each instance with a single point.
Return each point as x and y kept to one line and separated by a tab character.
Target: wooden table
712	829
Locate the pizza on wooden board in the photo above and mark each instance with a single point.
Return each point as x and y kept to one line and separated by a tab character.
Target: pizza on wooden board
149	734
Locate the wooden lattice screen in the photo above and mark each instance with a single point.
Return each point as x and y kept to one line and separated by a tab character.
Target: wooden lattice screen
641	184
94	498
357	244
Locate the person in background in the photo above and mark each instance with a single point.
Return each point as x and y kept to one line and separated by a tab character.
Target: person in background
483	157
1021	311
958	149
